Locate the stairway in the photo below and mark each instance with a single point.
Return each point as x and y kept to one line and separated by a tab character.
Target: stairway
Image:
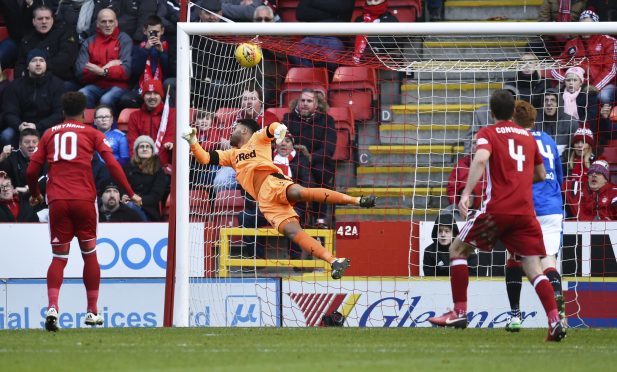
407	157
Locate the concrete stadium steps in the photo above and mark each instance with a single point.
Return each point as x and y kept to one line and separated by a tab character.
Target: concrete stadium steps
352	214
411	134
404	197
403	176
491	9
474	47
388	155
429	113
456	71
453	92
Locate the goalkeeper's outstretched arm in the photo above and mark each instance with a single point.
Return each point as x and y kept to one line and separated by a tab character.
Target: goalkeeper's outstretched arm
202	156
277	131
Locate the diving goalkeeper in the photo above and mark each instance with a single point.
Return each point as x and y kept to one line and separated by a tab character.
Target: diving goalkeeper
251	158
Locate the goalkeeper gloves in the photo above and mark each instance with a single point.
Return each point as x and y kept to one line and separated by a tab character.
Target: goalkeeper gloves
279	133
189	134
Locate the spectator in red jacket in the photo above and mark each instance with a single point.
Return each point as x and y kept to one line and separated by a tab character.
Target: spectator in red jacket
458	180
601	61
147	121
104	62
598	198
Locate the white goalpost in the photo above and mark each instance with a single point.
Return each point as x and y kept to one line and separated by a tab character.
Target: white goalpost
400	132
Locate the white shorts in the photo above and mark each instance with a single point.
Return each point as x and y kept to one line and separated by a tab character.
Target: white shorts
552	226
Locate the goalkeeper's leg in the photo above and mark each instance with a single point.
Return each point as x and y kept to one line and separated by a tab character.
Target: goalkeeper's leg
296	193
291	229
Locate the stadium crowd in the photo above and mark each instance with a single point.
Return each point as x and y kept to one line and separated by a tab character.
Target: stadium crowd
121	55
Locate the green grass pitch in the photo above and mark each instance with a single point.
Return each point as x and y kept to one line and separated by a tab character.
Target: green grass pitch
305	349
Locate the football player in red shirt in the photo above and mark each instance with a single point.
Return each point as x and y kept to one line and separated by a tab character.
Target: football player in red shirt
513	162
71	195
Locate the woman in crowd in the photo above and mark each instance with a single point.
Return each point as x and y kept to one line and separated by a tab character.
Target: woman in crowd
145	174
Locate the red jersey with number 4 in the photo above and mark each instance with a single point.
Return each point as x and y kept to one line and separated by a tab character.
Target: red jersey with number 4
510	169
68	149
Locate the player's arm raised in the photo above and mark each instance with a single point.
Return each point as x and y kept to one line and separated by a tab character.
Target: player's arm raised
276	131
476	170
214	157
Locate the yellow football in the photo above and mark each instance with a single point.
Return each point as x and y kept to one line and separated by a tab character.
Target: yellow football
248	55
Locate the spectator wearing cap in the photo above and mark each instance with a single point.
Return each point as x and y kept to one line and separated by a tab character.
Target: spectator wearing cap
578	100
111	207
207	11
32	101
606	9
579	160
60	42
147	121
104	62
151	60
145	174
103	120
12	207
598	198
555	122
597	55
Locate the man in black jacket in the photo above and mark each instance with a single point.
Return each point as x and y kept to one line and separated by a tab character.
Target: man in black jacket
315	135
15	162
32	101
112	209
60	43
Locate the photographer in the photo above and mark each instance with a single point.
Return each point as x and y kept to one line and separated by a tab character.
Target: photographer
150	61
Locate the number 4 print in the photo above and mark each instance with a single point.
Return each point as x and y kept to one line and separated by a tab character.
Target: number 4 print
516	155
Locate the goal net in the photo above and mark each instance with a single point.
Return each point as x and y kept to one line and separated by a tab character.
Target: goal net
397	122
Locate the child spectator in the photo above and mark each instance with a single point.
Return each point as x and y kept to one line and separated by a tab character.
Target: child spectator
597	200
103	121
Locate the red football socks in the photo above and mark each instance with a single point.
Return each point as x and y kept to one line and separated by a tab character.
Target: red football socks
92	279
55	276
459	280
547	297
312	246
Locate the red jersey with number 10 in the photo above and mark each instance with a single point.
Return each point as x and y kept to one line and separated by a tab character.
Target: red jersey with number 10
510	169
68	148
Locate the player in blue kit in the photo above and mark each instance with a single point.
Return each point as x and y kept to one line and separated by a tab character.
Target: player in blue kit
548	204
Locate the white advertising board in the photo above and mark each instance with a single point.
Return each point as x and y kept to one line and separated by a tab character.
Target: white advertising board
134	250
382	302
583	229
139	303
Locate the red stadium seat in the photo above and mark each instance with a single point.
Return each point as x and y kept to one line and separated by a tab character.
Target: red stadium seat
610	154
403	10
355	87
345	132
279	112
89	116
287	10
299	78
123	119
